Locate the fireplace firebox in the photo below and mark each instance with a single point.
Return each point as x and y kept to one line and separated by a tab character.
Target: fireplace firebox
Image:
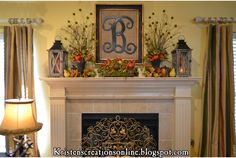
120	131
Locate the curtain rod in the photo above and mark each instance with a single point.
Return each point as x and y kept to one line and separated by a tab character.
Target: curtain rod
214	20
22	21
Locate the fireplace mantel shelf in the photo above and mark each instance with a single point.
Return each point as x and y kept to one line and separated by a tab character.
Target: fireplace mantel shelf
119	87
164	81
121	92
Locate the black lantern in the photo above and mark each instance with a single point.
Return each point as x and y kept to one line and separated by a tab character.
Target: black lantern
181	59
57	59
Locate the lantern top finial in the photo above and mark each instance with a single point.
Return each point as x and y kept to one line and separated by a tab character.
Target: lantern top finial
182	44
57	45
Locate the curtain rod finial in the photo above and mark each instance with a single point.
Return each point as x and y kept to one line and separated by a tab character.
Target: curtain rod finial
38	20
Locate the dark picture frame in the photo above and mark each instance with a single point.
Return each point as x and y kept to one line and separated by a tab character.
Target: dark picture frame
119	32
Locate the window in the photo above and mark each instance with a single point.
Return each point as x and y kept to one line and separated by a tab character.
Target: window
2	138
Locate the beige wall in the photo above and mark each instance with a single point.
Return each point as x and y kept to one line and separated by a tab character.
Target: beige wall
56	14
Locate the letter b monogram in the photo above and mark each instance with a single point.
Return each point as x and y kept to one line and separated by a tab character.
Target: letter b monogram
111	24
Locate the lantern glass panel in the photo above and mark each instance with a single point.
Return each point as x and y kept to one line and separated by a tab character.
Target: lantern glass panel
65	59
55	62
183	63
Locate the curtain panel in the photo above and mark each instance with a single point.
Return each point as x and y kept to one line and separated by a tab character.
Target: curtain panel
19	79
217	137
19	61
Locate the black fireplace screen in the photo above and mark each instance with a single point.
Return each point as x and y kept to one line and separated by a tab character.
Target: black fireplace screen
121	131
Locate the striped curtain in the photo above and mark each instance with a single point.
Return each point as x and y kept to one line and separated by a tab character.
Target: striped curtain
19	79
217	137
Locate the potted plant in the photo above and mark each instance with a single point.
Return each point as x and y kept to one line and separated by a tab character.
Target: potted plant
79	39
159	37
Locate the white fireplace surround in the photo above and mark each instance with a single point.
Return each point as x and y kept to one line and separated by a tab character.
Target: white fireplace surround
69	92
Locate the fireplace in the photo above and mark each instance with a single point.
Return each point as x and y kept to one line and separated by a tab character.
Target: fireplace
171	98
119	131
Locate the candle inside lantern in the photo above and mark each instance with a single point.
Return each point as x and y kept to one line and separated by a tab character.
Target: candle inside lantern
181	70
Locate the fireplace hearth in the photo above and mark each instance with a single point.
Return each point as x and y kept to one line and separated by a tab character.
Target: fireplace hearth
119	131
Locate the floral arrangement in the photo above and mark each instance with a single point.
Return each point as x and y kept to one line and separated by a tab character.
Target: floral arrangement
118	67
158	38
79	41
79	38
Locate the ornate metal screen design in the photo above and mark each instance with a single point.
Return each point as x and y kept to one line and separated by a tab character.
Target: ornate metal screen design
118	134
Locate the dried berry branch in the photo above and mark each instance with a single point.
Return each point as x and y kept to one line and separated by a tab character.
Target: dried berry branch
160	33
79	35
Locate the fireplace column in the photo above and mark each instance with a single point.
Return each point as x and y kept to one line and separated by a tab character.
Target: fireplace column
58	117
182	117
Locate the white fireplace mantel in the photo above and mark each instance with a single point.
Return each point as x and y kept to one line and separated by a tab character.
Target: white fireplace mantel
177	89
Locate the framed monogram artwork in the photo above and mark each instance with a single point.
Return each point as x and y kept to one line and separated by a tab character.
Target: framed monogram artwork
119	32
